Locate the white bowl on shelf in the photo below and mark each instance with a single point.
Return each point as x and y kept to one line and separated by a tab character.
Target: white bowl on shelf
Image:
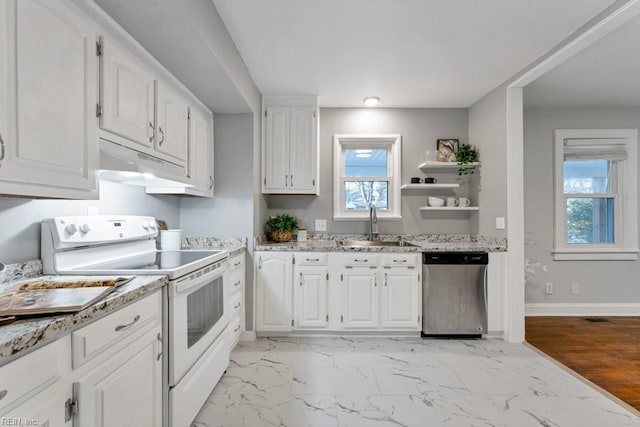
436	202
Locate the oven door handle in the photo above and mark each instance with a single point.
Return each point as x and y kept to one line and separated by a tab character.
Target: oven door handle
187	284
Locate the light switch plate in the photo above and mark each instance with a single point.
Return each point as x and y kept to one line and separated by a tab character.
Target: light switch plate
321	225
500	225
548	289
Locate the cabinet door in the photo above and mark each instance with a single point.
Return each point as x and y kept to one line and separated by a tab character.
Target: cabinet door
201	152
274	283
310	297
45	409
360	299
276	150
303	149
126	391
400	298
126	95
172	128
49	144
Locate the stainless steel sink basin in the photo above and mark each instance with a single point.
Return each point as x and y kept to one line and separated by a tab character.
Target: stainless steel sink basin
369	243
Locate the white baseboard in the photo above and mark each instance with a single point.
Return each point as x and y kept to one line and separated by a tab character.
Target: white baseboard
248	336
582	309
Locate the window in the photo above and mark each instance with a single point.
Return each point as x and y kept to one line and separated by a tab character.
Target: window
596	194
366	173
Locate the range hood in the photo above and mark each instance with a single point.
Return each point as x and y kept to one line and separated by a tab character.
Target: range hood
126	165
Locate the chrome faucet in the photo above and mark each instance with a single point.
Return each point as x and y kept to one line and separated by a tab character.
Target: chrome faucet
373	223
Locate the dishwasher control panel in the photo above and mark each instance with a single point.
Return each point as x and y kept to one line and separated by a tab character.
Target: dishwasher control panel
455	258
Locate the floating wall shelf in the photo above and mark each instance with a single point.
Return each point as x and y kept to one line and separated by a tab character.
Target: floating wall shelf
427	186
447	208
444	165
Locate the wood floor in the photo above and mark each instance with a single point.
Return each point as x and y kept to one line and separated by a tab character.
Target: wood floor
605	350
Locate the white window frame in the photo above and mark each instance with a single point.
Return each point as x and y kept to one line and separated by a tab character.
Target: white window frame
625	199
393	143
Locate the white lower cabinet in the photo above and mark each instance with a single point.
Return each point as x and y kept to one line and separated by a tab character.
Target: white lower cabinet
310	296
353	291
274	284
122	386
360	297
401	298
46	409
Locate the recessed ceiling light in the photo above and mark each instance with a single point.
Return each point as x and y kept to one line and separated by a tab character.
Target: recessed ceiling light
371	101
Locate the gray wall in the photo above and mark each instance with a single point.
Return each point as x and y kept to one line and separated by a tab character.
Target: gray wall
420	128
600	281
20	218
488	132
230	213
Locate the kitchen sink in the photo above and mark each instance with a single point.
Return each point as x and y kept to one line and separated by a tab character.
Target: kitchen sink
368	243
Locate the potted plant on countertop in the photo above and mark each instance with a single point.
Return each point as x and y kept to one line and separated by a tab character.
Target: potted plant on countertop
466	154
280	228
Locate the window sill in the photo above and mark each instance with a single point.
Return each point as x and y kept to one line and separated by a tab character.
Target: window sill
366	217
622	255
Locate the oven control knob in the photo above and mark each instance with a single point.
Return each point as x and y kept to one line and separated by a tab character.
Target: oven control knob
71	228
145	225
152	225
85	228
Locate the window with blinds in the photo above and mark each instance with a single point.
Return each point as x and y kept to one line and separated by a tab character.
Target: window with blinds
594	177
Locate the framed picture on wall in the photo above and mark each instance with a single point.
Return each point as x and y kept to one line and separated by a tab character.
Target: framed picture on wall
447	150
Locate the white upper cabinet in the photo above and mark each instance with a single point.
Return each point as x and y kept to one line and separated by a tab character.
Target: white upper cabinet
290	145
172	126
127	94
48	123
201	152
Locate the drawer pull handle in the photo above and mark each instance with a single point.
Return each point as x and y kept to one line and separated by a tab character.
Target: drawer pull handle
361	260
128	325
237	329
313	259
3	394
237	305
235	285
160	340
162	134
399	260
237	263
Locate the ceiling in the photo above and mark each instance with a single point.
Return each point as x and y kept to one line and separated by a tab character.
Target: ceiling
605	74
410	53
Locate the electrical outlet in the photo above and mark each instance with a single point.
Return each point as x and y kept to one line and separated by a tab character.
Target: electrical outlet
500	224
92	210
321	225
575	288
548	288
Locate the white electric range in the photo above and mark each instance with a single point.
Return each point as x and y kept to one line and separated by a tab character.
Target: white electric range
196	305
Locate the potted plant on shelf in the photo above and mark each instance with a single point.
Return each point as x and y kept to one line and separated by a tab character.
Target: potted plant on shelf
281	227
466	154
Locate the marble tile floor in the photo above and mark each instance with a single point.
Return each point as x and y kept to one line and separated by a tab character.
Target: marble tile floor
367	381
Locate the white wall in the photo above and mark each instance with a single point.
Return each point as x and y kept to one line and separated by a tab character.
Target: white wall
20	218
420	128
600	281
488	132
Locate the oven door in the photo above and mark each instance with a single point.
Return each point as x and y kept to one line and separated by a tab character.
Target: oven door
198	313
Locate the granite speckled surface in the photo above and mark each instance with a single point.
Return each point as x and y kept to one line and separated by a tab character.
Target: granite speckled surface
416	242
235	245
21	270
23	335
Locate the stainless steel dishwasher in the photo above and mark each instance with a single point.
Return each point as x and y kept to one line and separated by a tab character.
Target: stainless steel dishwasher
454	294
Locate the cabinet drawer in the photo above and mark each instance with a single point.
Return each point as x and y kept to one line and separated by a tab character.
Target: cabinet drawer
236	263
361	259
235	330
34	372
400	260
236	302
97	337
311	258
236	280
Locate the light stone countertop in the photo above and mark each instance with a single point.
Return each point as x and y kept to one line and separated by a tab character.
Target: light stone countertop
18	338
235	245
417	243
